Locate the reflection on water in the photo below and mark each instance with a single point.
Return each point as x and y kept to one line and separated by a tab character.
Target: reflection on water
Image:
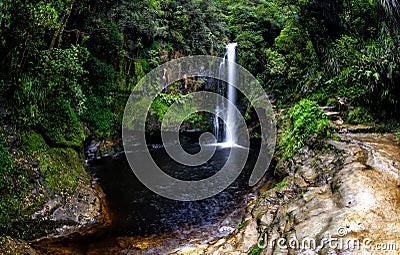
138	211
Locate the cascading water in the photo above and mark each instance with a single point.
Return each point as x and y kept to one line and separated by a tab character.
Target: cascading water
219	107
229	129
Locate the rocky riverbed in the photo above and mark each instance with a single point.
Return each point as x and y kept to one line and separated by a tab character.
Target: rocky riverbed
340	200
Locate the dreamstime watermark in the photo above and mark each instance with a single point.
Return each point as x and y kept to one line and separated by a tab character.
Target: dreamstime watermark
337	242
134	120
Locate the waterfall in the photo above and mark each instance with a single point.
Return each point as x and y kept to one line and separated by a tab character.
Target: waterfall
227	67
230	130
218	107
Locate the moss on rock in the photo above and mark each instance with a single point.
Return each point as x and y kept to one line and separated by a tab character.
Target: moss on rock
33	142
60	168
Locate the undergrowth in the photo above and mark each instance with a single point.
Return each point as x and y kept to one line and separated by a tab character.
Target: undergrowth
305	121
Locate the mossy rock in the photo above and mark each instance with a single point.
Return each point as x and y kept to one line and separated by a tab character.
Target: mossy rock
60	168
14	185
33	142
61	125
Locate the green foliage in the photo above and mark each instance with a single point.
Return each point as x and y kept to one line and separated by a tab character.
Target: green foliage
162	102
152	57
99	91
282	184
13	186
192	26
254	27
139	71
359	116
336	138
105	41
62	68
241	224
365	71
33	142
296	58
60	169
199	120
305	120
99	116
101	76
61	125
392	126
256	250
49	101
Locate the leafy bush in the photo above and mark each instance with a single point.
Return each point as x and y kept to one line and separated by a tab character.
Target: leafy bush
61	125
98	106
162	103
305	120
48	97
365	71
359	116
101	78
98	116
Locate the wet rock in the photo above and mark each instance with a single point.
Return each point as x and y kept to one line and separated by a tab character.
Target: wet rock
353	195
192	250
308	173
250	237
14	246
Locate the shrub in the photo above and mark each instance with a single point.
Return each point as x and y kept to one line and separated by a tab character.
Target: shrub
359	116
305	120
99	92
61	125
163	102
98	116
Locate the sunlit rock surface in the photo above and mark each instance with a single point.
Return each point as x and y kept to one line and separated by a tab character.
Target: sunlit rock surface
346	199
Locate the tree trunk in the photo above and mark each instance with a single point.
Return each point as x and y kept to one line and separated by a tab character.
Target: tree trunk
59	32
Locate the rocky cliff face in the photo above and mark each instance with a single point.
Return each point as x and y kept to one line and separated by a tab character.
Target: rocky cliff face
49	195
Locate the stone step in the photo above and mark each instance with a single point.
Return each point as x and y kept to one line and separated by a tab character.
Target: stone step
356	129
332	114
327	108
